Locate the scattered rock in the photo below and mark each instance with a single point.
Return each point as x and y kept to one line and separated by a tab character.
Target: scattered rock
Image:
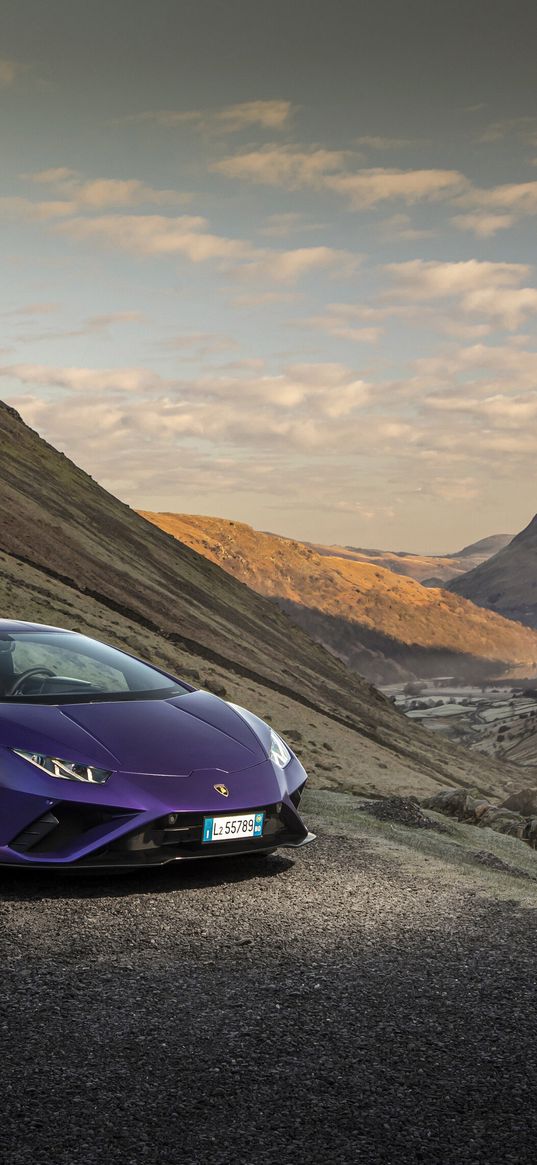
502	819
494	863
402	811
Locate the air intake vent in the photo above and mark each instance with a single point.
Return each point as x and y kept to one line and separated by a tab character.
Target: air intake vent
34	833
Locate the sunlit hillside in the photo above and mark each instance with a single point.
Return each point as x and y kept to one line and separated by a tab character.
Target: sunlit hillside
382	624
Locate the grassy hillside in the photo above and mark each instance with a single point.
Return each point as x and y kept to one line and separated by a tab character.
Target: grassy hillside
423	567
72	554
507	583
428	569
383	625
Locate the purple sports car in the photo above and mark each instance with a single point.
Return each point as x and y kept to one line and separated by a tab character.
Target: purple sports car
106	762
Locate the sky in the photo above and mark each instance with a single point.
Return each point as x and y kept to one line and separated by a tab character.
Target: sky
276	262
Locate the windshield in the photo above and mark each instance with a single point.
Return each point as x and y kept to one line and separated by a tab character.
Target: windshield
52	667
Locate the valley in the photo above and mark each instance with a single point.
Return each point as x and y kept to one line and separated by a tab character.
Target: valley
499	720
73	555
384	626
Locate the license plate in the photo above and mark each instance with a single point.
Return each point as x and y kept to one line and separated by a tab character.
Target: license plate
233	828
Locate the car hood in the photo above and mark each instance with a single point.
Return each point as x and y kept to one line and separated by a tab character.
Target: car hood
169	737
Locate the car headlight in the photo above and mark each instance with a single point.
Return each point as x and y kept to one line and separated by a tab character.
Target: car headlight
279	752
66	770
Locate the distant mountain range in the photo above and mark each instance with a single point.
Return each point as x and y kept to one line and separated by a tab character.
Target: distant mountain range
507	582
385	626
73	555
429	569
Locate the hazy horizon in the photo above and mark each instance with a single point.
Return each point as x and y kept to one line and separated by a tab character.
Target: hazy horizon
277	265
417	550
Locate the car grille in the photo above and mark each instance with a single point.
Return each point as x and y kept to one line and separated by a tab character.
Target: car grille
161	841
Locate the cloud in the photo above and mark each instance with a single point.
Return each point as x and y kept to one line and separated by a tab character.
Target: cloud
450	490
99	323
75	195
153	235
289	266
307	404
400	227
189	236
309	436
10	71
515	197
373	142
294	168
281	225
460	329
200	344
17	207
496	207
317	168
285	166
32	309
482	224
85	380
81	194
93	325
492	365
368	188
230	119
339	320
522	127
483	288
425	278
506	409
261	298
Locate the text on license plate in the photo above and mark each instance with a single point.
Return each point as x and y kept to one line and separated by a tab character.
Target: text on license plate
232	828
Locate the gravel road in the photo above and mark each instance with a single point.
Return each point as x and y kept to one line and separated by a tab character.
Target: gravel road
327	1008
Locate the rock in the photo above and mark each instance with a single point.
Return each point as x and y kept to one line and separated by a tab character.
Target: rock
449	801
479	809
525	802
216	688
468	809
293	734
439	800
503	821
531	832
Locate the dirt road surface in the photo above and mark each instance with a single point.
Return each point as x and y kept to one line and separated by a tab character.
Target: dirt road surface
328	1007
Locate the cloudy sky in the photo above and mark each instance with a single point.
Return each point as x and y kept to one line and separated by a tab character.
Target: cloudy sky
277	261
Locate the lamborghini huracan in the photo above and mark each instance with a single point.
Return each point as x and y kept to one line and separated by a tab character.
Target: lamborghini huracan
107	762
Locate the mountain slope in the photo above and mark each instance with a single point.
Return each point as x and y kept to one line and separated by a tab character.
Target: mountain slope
72	554
429	569
55	517
507	582
382	625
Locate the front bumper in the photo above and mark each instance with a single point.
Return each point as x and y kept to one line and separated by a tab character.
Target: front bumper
77	836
